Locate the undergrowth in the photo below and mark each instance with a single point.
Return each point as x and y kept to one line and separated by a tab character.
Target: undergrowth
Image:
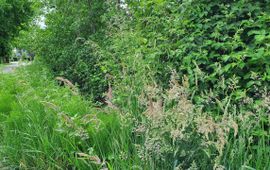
47	126
44	126
186	83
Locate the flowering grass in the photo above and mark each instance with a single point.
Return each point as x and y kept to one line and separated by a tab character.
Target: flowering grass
47	126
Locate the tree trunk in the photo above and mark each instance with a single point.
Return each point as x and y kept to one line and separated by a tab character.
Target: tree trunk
5	59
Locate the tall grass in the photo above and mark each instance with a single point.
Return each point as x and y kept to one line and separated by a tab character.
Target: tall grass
44	126
47	126
174	133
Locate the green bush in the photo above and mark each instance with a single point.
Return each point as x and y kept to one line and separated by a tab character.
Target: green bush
209	41
69	44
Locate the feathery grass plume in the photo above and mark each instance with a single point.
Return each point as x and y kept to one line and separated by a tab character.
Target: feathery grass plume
94	159
72	126
216	133
175	129
168	130
50	105
109	97
69	84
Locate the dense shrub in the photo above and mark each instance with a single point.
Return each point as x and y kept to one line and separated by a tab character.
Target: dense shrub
209	41
212	43
66	44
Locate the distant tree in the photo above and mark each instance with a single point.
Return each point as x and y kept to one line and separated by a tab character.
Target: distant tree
14	15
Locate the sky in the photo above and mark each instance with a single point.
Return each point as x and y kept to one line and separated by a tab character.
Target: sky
41	22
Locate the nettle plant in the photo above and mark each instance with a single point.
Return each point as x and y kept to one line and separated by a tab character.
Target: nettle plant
208	40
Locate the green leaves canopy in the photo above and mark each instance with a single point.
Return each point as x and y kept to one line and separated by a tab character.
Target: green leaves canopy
13	15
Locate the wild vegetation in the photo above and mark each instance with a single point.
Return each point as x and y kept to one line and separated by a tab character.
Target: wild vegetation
13	16
149	84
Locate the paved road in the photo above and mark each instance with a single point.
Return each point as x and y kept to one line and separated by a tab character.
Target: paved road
9	68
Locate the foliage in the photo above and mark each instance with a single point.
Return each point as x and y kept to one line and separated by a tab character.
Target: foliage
75	53
13	16
217	118
209	41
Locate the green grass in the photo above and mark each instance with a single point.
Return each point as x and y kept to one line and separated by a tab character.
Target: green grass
45	126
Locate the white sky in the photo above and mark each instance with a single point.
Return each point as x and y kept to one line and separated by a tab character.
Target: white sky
41	22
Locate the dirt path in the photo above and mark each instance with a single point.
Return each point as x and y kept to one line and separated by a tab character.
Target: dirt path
9	68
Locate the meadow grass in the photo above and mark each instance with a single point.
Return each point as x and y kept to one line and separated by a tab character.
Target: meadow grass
44	126
47	126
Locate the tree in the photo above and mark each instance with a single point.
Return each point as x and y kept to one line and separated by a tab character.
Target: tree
14	15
